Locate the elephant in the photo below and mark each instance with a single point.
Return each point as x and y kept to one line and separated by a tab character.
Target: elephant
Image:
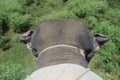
63	43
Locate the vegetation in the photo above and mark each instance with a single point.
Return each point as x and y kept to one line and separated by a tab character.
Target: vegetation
18	16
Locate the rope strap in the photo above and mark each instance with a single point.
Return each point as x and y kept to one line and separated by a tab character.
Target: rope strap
63	45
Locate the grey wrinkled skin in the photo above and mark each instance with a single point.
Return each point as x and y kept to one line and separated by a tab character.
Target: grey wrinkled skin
70	32
54	32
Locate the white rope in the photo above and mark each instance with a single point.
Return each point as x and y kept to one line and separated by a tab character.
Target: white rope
63	45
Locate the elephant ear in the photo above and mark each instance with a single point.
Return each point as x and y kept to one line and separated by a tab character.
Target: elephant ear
26	37
101	39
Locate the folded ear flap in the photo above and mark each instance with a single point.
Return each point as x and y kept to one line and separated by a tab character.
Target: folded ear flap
101	39
30	33
26	37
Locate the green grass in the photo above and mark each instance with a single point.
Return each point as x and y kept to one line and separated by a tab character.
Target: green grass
16	63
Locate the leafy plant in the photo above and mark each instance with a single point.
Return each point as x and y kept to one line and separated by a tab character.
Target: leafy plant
113	16
13	71
57	15
14	6
90	21
39	2
26	2
81	7
19	23
113	3
3	23
4	43
52	3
